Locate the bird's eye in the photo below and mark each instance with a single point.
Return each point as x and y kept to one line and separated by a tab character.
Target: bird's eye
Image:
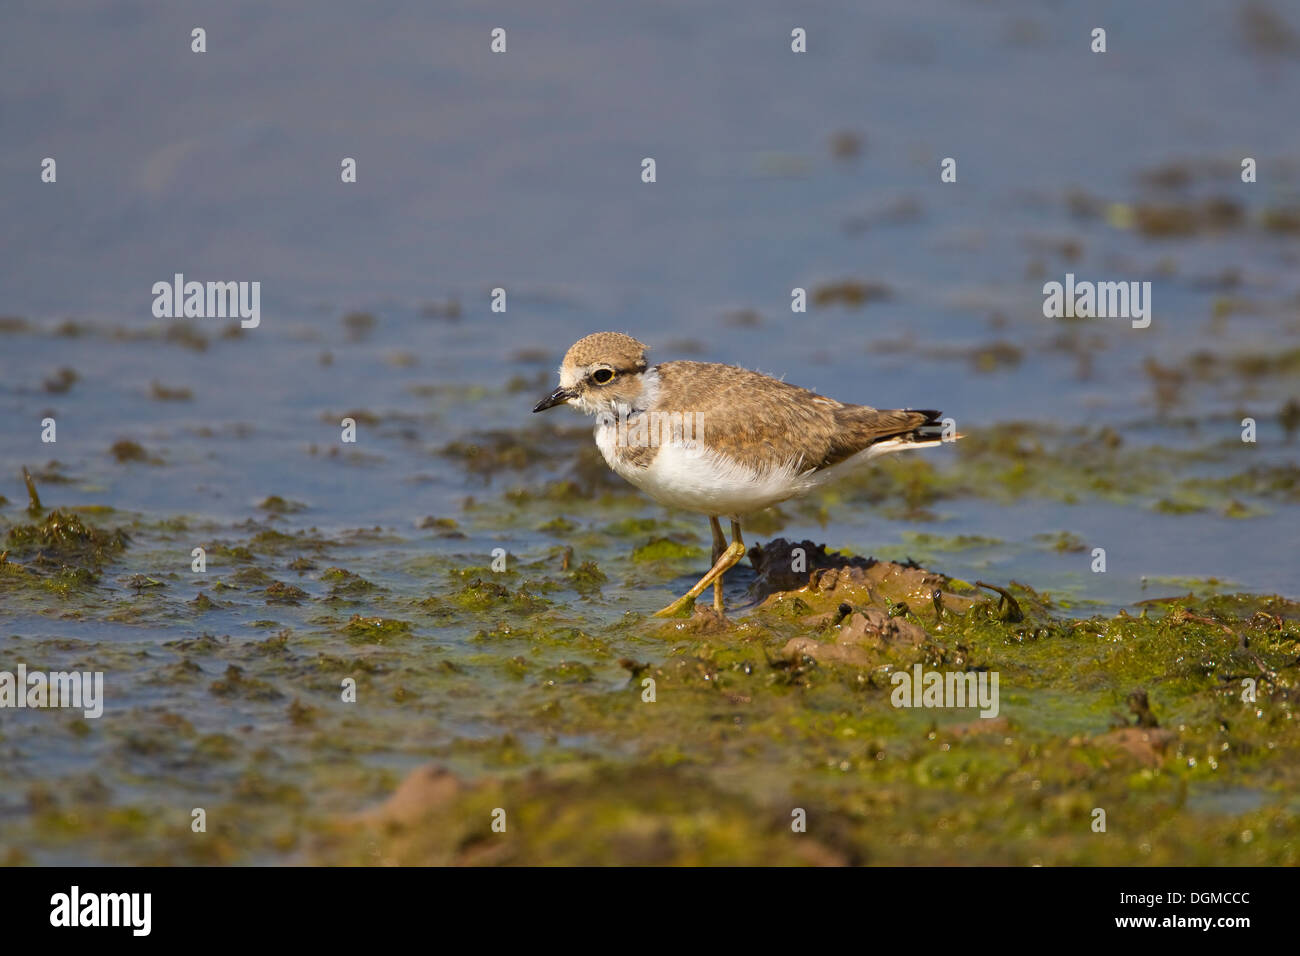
602	376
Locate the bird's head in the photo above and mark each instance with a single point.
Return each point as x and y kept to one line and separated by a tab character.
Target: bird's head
599	373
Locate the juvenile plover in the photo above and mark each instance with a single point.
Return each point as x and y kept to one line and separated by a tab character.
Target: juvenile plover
722	440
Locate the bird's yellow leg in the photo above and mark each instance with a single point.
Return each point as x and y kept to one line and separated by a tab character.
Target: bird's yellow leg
729	559
719	546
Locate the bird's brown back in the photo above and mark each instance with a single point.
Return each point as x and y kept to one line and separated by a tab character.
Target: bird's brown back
767	423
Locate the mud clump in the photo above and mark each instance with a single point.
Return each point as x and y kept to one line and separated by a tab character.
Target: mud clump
776	563
866	638
853	610
426	790
1144	745
639	816
824	579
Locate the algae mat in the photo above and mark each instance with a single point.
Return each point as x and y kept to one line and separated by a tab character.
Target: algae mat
371	698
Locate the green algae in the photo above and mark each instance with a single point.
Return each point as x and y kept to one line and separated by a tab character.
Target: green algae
632	527
439	524
481	595
252	578
375	630
126	451
273	542
345	585
586	578
226	552
68	581
665	549
1062	541
235	684
281	506
531	684
558	525
277	592
63	556
935	543
567	672
65	536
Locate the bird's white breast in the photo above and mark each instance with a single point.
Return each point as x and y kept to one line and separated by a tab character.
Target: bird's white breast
697	479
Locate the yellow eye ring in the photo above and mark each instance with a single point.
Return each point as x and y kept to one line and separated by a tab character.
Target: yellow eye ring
602	376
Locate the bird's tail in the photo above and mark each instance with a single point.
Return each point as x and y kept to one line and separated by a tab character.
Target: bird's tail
928	433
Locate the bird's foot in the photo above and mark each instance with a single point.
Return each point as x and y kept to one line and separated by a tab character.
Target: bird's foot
679	608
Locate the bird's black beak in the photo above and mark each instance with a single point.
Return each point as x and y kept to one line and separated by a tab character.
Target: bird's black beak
557	397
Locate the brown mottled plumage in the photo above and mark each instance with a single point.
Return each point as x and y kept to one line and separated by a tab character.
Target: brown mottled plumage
767	423
719	439
613	348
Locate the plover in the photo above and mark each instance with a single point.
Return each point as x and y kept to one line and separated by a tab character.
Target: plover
722	440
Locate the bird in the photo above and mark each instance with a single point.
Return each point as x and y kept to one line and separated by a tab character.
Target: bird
722	440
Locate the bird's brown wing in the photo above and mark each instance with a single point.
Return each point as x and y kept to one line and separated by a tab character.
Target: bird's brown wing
861	426
769	424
